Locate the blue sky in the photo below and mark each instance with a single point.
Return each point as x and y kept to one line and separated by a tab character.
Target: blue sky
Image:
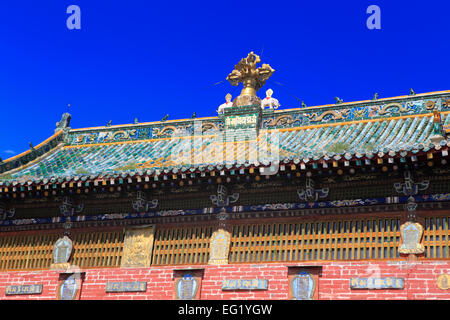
146	59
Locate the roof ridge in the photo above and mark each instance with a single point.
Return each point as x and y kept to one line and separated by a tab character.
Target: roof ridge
339	106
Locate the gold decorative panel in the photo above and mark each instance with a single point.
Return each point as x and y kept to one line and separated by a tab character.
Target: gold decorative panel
138	245
219	247
411	234
443	282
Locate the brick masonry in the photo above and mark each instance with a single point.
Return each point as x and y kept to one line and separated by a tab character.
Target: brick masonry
334	281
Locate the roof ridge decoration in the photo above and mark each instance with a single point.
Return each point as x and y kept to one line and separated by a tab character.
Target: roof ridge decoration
252	79
270	119
64	123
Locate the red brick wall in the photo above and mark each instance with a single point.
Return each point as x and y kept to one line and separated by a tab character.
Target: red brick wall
334	281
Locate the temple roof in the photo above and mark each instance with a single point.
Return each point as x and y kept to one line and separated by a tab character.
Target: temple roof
394	127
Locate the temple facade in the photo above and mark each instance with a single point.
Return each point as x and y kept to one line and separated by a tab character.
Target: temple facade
343	201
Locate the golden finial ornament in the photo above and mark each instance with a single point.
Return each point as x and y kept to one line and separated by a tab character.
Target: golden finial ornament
252	79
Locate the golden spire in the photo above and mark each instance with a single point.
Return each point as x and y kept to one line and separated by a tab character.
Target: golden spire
251	77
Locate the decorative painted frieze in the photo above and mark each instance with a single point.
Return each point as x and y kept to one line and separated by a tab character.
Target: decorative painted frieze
283	120
431	198
222	219
327	115
409	187
69	208
310	194
145	132
6	212
374	109
411	209
141	204
222	198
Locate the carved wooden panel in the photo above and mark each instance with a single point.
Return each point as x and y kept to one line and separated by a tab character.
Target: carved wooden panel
436	237
181	245
26	251
30	251
97	249
376	238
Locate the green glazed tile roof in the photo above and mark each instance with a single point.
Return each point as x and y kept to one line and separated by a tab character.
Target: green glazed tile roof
303	136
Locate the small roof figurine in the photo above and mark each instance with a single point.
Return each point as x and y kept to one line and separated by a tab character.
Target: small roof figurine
136	121
338	100
412	92
375	96
269	102
109	123
165	118
304	104
227	104
194	115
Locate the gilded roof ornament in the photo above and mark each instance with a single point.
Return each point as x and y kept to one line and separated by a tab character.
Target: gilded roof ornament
252	78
